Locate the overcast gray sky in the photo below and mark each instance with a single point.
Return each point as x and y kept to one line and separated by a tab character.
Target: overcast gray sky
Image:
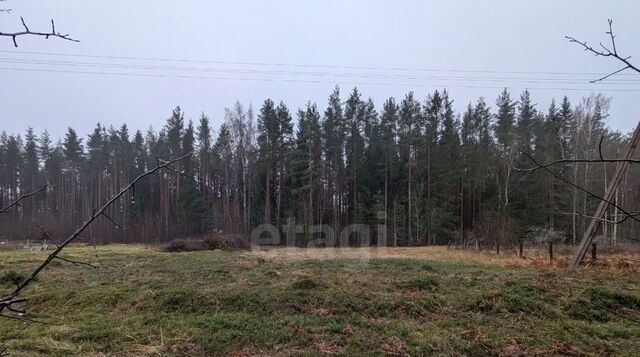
326	40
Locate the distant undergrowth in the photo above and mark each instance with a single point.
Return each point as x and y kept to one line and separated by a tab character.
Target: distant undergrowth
209	242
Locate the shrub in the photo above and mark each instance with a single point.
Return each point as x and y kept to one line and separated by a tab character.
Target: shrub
543	235
11	277
209	242
304	284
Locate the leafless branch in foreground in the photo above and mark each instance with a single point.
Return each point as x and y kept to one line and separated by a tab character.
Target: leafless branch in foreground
619	221
46	234
627	215
7	301
573	161
111	220
28	32
22	197
607	52
76	262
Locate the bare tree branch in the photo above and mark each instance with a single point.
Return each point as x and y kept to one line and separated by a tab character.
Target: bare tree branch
625	217
26	319
573	161
22	197
606	52
76	262
110	219
4	346
174	170
11	298
609	75
28	32
628	215
44	231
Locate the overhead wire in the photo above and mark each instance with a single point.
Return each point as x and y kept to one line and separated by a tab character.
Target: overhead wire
304	73
493	78
430	85
277	64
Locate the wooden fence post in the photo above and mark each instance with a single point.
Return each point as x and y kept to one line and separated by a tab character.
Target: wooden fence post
593	252
550	250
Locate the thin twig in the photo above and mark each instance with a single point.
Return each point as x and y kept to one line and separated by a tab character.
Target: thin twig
75	262
606	52
612	311
26	319
573	161
628	215
44	231
110	219
22	197
635	214
46	35
4	346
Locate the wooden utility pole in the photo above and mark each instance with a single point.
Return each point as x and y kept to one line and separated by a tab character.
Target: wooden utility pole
608	197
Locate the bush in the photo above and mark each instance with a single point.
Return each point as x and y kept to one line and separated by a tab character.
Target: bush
544	236
305	284
209	242
12	277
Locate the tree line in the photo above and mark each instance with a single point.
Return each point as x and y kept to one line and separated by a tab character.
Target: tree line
430	174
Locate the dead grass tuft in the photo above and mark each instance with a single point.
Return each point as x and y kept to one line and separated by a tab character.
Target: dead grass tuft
394	347
327	347
535	257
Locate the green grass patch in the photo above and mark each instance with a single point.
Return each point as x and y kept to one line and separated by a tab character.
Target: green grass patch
145	302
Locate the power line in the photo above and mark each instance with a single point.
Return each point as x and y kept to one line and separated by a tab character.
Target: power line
300	65
321	74
149	75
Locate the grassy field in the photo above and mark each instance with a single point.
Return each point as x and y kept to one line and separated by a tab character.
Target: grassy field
283	302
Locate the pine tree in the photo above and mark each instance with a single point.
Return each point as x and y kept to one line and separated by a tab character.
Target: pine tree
190	210
448	183
73	149
354	149
504	132
284	144
306	166
409	131
505	120
267	151
223	160
333	129
30	172
528	189
388	133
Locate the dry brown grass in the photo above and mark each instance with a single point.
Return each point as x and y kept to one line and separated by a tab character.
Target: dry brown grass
533	256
